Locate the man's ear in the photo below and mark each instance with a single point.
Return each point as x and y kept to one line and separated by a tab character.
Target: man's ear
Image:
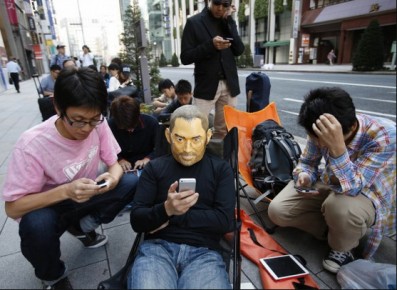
209	135
167	134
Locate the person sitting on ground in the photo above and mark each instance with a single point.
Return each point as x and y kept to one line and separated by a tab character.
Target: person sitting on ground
184	96
183	229
114	82
48	82
51	181
125	76
355	192
167	88
135	133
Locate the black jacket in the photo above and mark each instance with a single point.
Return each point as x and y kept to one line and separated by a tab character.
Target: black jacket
210	63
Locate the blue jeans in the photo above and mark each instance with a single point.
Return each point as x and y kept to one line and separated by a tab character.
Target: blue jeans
40	230
164	265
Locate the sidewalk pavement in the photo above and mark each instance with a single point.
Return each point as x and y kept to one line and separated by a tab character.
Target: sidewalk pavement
19	112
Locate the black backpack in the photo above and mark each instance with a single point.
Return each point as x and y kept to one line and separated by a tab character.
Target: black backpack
274	155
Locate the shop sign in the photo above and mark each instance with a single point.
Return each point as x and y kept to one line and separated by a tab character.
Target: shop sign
305	40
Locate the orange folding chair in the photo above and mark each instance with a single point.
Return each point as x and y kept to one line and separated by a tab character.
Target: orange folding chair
245	123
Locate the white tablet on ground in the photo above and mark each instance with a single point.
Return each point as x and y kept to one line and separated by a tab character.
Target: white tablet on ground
284	267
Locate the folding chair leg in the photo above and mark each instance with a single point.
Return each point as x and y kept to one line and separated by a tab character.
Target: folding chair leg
267	229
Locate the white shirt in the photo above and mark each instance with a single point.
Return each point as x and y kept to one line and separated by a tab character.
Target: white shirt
13	67
87	59
114	84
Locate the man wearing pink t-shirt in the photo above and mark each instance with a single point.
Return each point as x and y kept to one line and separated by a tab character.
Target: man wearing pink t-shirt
51	182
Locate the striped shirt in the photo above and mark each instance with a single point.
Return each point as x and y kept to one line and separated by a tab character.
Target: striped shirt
368	167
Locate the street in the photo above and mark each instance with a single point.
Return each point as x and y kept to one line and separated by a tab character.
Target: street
372	94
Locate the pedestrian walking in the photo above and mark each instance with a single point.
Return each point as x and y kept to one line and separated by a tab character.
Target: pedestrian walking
86	57
210	40
331	56
14	69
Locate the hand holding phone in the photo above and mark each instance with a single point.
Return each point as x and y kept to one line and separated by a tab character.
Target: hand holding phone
303	189
103	183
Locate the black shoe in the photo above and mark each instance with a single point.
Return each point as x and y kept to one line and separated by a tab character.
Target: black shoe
18	91
336	259
63	284
90	240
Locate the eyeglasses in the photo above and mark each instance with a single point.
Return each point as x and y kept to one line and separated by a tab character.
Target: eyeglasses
81	124
219	2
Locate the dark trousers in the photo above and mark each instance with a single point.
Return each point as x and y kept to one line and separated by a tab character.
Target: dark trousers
40	230
15	80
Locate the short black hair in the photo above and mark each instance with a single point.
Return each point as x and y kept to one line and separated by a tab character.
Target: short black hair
55	67
114	66
183	87
165	84
79	88
332	100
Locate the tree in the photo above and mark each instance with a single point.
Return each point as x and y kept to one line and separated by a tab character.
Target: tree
241	12
163	60
260	9
248	56
369	55
131	52
174	61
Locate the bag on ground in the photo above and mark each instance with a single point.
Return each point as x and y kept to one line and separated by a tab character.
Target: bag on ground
365	274
257	87
274	155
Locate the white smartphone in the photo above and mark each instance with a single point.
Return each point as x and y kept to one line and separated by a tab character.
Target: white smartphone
302	189
187	184
102	183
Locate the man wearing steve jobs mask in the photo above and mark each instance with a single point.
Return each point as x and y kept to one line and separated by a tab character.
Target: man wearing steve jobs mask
183	228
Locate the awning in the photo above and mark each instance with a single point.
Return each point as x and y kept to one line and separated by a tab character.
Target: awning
276	43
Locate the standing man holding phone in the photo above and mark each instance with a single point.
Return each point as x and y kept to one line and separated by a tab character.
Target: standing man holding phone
210	40
182	226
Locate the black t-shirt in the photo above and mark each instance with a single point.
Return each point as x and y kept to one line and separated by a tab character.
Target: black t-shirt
202	225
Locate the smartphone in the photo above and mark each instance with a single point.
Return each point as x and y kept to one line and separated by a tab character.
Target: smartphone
228	38
102	183
187	184
303	189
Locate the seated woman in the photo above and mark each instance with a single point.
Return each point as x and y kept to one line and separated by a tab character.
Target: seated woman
135	133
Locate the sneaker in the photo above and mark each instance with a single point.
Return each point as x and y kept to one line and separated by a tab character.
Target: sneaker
63	284
93	240
336	259
90	240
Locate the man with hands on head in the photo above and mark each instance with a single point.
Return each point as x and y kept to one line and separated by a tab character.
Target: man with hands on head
355	191
183	228
51	182
210	40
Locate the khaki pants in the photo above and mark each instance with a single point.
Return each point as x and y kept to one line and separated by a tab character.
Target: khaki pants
222	98
345	218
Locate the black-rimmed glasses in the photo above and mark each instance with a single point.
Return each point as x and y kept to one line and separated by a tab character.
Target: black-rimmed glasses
81	124
220	2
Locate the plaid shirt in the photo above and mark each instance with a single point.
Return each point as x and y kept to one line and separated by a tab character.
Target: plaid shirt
368	167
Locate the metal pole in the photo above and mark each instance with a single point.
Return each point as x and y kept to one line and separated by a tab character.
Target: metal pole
81	22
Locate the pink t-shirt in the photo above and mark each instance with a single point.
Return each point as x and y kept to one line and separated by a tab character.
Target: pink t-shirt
43	159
